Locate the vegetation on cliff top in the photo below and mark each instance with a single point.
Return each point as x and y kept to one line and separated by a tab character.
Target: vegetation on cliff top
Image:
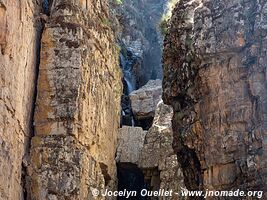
163	24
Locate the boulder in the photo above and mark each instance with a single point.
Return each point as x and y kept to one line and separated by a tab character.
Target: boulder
144	100
130	144
158	141
158	160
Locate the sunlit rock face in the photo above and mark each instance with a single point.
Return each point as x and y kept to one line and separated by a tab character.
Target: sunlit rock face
144	102
19	32
215	79
78	104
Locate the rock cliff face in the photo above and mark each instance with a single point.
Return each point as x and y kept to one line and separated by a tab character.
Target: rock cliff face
78	104
60	96
76	117
19	36
137	29
215	78
146	158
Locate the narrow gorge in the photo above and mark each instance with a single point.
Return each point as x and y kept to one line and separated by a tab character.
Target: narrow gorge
133	99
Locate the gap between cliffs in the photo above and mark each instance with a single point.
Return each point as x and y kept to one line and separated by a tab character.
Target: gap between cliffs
40	20
141	40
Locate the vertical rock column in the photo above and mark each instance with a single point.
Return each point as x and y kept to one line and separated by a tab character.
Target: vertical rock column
19	33
78	104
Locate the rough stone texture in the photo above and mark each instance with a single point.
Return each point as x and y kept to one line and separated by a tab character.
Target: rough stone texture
215	79
17	82
78	104
157	156
144	100
3	24
130	144
158	142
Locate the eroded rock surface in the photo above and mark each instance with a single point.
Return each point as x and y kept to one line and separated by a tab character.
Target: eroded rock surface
19	36
130	144
140	38
158	142
215	79
78	104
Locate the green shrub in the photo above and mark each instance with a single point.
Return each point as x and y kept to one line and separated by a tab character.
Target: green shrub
163	25
118	2
106	22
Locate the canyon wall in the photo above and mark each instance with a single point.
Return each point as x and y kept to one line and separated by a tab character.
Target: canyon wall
63	145
61	89
78	104
19	35
215	78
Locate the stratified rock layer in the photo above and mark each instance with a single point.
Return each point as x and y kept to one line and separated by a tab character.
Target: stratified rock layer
215	78
19	36
78	104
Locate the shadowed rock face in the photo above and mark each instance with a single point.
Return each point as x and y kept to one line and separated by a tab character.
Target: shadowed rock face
215	78
136	24
140	38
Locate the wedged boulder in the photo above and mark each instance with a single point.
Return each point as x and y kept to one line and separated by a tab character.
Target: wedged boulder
130	144
158	160
158	141
144	100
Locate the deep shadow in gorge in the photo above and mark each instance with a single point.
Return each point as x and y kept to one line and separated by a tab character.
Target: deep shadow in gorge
131	178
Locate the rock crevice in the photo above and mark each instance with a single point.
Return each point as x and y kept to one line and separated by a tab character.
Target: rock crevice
20	31
76	118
